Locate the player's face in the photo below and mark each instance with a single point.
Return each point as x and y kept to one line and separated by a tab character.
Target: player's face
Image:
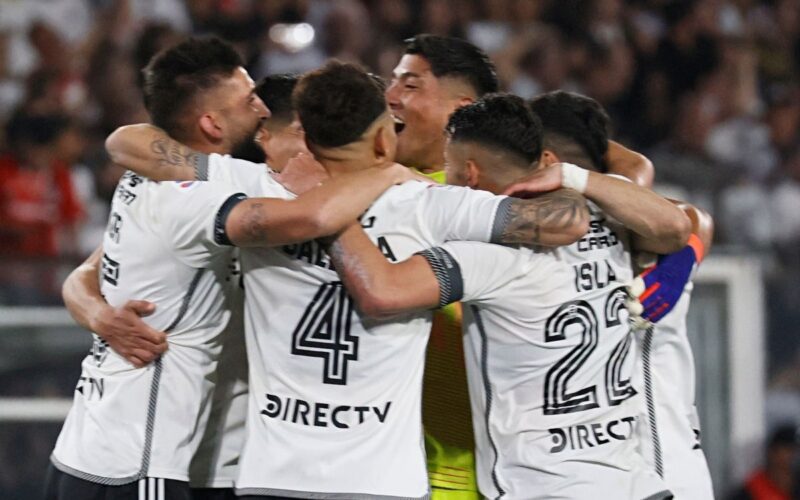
282	144
241	110
455	164
419	100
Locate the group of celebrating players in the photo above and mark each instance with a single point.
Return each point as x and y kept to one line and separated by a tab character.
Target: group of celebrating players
288	305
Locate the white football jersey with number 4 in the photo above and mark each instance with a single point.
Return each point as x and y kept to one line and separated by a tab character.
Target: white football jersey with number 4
549	363
335	398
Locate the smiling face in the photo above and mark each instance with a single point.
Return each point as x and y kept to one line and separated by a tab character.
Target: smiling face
423	103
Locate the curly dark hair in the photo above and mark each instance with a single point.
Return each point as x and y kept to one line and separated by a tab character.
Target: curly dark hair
499	121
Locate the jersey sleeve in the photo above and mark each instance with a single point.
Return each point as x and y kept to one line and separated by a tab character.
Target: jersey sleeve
474	272
192	218
462	214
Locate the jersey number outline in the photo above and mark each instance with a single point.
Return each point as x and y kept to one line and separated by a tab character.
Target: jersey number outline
324	332
557	399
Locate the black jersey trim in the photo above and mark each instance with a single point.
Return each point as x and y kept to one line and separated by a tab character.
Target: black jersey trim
647	352
448	274
220	235
661	495
487	388
317	495
501	217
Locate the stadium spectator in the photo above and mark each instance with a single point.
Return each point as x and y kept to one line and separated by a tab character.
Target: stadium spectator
776	480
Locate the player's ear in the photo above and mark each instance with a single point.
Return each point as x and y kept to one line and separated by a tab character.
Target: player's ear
211	127
473	174
380	144
548	158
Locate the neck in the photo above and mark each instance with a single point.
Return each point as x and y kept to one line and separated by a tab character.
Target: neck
432	162
344	159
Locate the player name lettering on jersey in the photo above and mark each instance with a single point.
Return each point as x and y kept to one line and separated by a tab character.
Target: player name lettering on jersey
583	436
313	253
594	275
599	235
298	411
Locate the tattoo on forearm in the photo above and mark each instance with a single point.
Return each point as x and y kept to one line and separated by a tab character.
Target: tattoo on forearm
255	222
549	212
170	153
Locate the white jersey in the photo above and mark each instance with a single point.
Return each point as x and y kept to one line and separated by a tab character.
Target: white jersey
671	431
216	461
549	363
335	398
127	423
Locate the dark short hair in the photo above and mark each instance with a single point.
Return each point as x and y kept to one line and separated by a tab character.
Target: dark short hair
276	92
499	121
456	58
337	103
568	117
175	77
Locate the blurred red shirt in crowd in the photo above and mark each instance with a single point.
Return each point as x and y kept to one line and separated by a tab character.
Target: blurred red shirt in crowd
39	207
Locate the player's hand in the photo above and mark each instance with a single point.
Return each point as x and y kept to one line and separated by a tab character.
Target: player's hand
128	335
543	180
302	173
656	291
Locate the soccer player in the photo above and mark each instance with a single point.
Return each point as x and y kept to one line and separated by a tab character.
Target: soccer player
547	337
334	401
135	430
436	76
665	375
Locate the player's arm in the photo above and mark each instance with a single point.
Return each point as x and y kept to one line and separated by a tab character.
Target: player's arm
121	327
379	288
432	278
659	226
322	211
556	218
454	213
148	151
628	163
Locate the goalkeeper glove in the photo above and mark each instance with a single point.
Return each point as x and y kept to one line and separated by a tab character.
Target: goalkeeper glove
656	291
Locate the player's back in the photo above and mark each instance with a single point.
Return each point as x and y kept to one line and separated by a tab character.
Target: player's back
127	423
335	397
549	360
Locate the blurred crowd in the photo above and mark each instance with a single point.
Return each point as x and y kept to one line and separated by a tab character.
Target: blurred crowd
708	89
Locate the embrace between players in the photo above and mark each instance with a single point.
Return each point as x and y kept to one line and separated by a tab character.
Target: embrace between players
341	261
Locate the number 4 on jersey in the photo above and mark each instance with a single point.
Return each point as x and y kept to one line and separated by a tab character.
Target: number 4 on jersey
324	332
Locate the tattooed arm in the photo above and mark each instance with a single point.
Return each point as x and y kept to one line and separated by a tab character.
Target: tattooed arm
321	211
379	288
148	151
556	218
